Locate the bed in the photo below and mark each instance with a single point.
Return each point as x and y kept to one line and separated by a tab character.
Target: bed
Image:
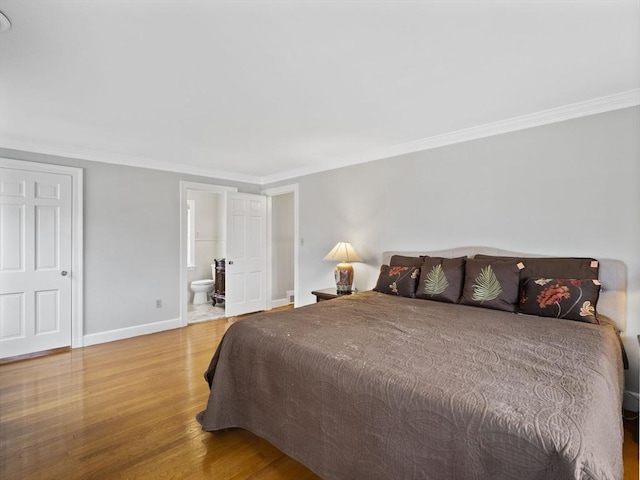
378	386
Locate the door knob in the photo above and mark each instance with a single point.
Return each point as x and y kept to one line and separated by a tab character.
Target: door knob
63	273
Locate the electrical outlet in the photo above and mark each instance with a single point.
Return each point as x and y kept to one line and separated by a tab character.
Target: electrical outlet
158	303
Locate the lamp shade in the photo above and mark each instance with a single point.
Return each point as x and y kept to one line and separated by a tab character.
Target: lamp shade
343	252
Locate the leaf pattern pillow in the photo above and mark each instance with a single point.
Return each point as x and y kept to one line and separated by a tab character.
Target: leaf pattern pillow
399	281
561	298
441	279
491	284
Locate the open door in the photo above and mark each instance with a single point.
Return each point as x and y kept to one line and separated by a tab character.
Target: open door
246	245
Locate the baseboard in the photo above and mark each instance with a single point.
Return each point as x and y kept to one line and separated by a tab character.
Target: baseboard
281	302
631	400
128	332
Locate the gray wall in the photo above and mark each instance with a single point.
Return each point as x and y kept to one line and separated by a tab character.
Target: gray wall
131	241
569	188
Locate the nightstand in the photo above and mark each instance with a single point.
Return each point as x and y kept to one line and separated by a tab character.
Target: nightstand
327	294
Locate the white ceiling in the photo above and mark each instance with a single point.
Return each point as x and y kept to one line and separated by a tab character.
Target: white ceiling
264	90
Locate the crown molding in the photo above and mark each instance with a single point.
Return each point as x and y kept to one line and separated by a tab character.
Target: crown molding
128	160
594	106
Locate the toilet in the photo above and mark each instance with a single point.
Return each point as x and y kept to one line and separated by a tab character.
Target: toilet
201	288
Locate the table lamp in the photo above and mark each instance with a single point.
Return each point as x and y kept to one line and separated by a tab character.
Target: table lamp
344	253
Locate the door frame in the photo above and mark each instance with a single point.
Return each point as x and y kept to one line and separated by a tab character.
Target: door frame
77	237
184	187
273	192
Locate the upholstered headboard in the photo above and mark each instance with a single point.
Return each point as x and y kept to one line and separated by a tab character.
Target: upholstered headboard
612	275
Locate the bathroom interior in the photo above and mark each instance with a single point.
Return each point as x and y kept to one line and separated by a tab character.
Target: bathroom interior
206	244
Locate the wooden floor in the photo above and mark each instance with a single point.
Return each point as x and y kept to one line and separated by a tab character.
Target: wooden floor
127	410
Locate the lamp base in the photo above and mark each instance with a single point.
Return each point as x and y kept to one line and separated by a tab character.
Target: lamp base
344	277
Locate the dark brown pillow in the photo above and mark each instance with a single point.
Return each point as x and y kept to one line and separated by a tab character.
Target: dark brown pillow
404	261
549	267
561	298
441	279
399	281
491	284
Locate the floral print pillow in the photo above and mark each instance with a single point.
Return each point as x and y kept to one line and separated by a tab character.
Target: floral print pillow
399	281
561	298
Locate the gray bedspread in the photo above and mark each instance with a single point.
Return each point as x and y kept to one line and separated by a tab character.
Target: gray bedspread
372	386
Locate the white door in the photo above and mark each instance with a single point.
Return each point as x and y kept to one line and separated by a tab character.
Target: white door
246	245
35	261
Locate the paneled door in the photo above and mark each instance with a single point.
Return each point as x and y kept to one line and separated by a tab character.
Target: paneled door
35	261
246	244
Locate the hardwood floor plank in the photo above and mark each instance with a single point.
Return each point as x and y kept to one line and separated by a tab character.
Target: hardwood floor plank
124	410
630	448
127	409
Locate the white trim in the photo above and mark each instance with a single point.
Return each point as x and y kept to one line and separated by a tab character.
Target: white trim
269	275
77	237
594	106
128	332
184	187
272	192
208	239
281	302
119	159
191	240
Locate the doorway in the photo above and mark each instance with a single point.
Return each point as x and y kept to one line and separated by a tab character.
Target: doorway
291	190
206	251
283	241
201	241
